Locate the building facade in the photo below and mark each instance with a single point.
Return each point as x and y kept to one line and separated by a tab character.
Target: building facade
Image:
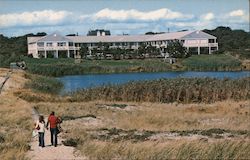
56	45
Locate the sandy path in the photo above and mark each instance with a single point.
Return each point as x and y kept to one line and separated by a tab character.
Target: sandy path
60	152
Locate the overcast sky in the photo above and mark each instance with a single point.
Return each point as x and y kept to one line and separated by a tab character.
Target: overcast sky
19	17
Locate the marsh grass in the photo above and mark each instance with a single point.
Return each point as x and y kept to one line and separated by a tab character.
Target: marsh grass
184	90
61	67
215	62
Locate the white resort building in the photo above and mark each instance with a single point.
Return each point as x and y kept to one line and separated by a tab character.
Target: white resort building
56	45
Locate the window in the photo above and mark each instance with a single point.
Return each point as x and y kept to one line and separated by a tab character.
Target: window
71	44
211	41
61	44
49	44
40	44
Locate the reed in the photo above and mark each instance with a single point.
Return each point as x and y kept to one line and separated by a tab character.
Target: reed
184	90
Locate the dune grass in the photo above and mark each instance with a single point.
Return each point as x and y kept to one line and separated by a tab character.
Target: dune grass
155	118
15	123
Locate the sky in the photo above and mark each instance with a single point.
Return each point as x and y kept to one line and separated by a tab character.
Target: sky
19	17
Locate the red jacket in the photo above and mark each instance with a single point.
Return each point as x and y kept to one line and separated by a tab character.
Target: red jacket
52	120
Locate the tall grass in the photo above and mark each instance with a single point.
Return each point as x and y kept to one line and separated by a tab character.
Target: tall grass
123	132
168	150
185	90
43	84
219	62
61	67
15	123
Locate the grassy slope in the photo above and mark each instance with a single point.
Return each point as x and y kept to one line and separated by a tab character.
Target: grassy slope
43	84
60	67
15	123
218	62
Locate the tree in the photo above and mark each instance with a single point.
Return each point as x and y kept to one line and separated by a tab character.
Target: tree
152	50
229	39
142	49
176	50
84	51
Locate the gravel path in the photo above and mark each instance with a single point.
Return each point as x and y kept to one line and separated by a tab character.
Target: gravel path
60	152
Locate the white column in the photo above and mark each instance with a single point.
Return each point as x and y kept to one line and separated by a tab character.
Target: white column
74	53
56	53
45	54
188	49
199	50
209	50
68	54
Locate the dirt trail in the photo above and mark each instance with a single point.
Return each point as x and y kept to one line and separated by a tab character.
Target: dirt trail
14	83
50	152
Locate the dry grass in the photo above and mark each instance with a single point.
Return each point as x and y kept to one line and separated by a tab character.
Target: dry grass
15	123
184	90
90	118
155	117
167	150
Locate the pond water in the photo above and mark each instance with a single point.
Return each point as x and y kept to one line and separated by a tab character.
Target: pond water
75	82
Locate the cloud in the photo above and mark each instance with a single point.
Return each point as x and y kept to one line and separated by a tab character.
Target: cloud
236	13
36	18
130	21
236	17
207	17
191	25
123	15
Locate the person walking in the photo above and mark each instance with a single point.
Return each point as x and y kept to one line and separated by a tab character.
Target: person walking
52	121
40	126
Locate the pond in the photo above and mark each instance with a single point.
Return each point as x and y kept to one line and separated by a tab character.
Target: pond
75	82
